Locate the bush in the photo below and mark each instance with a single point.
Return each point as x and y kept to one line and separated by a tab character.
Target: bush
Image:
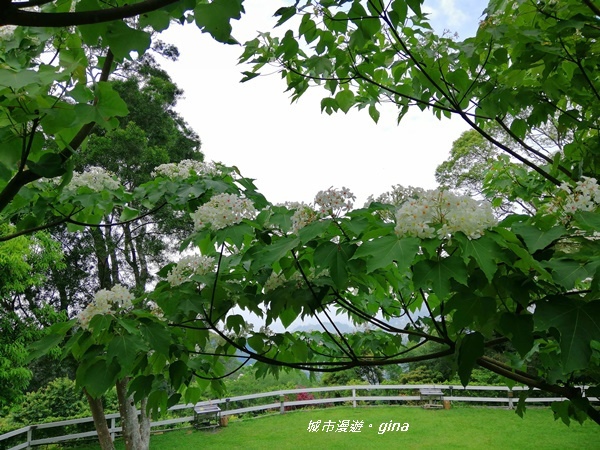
60	399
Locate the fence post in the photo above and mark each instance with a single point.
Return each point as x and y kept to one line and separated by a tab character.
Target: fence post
281	407
113	426
354	397
510	398
30	436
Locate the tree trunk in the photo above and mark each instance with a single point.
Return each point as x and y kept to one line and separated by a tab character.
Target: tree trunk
136	430
101	253
97	409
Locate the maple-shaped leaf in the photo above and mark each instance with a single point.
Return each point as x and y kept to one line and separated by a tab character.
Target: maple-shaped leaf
578	323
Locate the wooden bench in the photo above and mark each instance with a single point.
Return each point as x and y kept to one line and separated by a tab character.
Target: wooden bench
206	416
430	395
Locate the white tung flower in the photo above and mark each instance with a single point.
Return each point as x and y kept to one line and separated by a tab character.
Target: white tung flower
584	196
185	169
334	202
443	213
303	215
106	302
189	266
95	178
222	211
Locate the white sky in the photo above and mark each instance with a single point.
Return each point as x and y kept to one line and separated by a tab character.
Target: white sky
292	150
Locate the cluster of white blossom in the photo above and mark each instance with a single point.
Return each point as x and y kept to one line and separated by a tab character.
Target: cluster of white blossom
95	178
106	302
442	213
189	266
398	195
334	202
186	168
277	280
156	311
223	210
303	215
585	196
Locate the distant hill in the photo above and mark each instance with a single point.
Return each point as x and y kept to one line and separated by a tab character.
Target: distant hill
343	327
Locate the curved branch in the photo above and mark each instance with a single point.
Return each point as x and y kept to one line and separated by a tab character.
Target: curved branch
27	176
511	152
348	350
12	15
594	8
223	376
212	297
383	325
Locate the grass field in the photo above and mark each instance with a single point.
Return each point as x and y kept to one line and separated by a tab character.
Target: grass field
458	428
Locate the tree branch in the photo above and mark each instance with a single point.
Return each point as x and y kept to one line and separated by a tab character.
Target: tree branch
12	15
26	176
594	8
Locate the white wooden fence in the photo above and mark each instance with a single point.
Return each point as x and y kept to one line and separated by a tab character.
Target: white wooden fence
280	403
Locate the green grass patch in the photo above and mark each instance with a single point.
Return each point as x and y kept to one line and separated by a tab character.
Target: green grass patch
458	428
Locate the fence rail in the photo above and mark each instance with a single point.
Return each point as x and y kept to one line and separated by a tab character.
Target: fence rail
282	404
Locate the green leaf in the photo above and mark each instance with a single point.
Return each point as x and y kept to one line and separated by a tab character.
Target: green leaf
287	316
248	76
109	102
128	214
470	310
399	7
50	165
55	336
519	329
383	251
484	251
588	220
285	13
236	323
157	402
17	80
345	100
374	113
178	372
159	20
124	350
214	18
98	377
312	230
536	239
577	322
471	348
274	252
561	411
438	274
123	40
521	404
256	343
157	336
567	272
338	270
519	128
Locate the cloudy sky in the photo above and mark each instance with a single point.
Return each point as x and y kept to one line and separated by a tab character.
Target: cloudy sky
292	150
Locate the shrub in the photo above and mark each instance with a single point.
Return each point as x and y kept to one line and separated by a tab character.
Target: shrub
60	399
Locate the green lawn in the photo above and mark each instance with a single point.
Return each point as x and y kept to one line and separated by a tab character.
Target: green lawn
458	428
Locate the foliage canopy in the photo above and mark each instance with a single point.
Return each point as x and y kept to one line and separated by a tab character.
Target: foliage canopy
529	283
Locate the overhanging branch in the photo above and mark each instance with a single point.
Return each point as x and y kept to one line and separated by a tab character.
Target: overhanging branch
13	15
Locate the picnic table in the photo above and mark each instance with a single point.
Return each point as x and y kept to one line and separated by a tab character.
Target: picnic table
430	395
206	416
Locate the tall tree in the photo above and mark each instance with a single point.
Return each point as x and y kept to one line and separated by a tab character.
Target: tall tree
25	266
528	281
123	253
